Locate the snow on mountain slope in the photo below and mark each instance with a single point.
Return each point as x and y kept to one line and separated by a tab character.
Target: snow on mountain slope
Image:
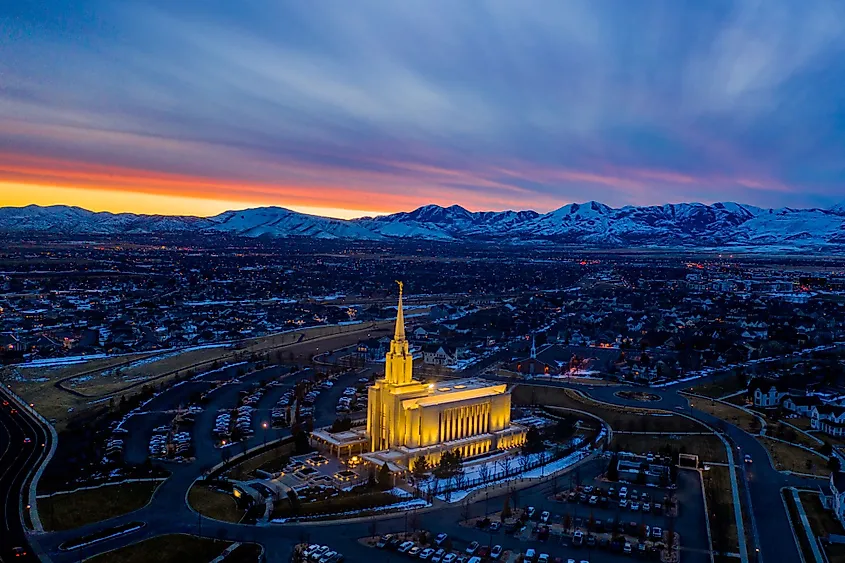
797	226
686	224
74	220
281	222
443	223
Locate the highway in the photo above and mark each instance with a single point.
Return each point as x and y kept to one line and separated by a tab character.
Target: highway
23	444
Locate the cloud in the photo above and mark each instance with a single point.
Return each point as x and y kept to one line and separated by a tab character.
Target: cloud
487	104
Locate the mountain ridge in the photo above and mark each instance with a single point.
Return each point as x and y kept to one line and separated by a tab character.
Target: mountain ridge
591	223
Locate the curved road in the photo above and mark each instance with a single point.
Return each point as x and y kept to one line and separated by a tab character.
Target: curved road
764	481
23	444
168	513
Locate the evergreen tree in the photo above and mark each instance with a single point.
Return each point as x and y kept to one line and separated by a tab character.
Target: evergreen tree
384	477
420	467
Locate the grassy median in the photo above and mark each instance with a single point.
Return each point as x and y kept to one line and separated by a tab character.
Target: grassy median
171	548
72	510
728	413
214	504
620	418
792	458
720	509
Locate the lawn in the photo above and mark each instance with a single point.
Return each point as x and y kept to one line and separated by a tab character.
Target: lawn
619	418
823	522
785	432
342	503
733	415
214	504
72	510
791	458
724	386
802	422
717	488
707	448
171	548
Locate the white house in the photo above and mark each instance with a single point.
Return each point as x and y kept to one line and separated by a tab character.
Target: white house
829	419
439	355
801	404
770	397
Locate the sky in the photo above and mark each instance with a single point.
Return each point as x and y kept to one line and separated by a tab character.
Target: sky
346	108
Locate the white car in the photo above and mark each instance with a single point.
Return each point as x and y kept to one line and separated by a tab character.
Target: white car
327	556
747	458
530	554
438	556
450	558
318	553
426	553
405	547
496	552
472	548
544	516
414	551
544	558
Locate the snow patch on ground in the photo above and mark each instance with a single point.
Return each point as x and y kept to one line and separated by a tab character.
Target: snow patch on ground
404	505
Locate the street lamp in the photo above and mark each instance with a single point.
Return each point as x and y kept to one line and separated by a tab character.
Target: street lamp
264	426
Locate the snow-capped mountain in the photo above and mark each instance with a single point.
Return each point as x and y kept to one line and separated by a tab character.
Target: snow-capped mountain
447	223
591	223
64	219
280	222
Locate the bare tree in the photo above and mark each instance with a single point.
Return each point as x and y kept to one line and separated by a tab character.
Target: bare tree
484	472
524	462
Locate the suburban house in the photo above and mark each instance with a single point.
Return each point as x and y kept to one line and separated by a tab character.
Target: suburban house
801	404
439	355
767	393
829	419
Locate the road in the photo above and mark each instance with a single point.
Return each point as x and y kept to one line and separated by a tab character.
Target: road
764	481
23	444
168	513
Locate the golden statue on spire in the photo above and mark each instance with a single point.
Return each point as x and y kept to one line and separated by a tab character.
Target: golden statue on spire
401	285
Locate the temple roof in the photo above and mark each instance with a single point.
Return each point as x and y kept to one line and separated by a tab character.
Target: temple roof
455	391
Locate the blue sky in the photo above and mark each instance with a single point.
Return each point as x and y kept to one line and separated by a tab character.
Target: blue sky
357	107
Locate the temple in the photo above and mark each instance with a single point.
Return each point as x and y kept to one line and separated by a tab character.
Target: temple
407	419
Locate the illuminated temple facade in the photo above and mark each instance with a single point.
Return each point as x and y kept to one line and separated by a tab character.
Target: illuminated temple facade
407	419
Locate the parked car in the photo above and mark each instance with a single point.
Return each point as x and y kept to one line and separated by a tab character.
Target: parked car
415	551
440	539
496	552
406	547
450	558
544	516
426	554
472	548
530	555
438	556
494	526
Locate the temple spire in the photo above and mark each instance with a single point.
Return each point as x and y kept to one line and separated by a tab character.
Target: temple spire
533	348
399	333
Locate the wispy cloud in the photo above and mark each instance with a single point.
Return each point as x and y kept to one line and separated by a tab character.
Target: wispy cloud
381	106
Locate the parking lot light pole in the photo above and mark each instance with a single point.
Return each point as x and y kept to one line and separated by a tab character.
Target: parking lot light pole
264	426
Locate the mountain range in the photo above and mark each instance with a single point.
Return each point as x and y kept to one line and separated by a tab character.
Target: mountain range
591	223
